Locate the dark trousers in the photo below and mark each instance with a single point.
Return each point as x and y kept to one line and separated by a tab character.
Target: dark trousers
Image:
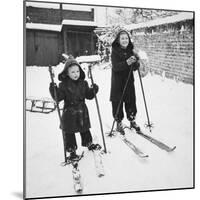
130	109
70	140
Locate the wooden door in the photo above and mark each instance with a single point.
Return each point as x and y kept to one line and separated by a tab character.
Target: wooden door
79	43
42	48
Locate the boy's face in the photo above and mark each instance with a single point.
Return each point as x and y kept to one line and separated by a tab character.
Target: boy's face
123	40
74	72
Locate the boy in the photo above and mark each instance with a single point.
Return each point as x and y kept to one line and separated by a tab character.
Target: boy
73	89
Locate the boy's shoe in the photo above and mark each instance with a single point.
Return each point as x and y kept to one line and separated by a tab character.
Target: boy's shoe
120	128
73	156
93	147
134	125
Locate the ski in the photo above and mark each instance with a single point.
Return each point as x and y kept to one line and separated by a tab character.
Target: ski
78	186
97	155
135	149
158	143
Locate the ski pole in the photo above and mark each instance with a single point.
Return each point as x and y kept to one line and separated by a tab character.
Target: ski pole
148	125
97	105
58	109
118	106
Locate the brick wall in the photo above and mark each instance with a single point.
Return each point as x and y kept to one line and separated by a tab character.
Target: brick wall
171	53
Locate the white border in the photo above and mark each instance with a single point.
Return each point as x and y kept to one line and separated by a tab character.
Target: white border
11	100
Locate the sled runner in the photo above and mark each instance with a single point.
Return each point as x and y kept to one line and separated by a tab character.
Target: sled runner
40	105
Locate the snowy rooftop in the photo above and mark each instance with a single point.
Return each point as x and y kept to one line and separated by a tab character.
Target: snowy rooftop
78	22
48	27
57	6
58	27
43	5
88	59
167	20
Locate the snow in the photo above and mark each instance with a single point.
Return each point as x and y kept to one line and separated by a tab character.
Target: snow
78	22
58	27
166	20
88	59
143	55
170	106
39	26
43	5
77	7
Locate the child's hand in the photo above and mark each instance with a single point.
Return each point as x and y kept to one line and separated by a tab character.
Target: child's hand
131	60
52	88
95	88
52	85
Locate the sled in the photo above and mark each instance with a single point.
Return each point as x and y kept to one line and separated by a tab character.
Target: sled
40	105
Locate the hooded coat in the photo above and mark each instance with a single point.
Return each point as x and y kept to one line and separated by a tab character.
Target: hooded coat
120	71
75	116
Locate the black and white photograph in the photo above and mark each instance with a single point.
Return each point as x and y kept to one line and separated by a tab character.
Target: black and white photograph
108	99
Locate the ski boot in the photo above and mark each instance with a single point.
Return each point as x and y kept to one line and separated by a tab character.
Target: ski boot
73	156
93	147
134	125
120	128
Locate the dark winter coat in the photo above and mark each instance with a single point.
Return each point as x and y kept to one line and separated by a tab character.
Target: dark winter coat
120	71
75	117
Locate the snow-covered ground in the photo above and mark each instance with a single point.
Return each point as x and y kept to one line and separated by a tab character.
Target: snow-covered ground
170	106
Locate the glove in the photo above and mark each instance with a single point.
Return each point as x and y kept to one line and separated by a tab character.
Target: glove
52	85
136	66
131	60
95	88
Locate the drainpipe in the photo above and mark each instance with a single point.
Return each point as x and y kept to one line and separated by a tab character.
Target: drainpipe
61	13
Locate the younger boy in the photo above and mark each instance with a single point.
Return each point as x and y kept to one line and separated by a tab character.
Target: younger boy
73	89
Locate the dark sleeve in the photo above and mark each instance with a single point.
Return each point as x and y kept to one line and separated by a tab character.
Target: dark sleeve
89	92
59	92
117	64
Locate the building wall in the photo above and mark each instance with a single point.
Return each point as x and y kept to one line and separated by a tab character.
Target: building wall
100	15
43	15
43	48
170	53
55	16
